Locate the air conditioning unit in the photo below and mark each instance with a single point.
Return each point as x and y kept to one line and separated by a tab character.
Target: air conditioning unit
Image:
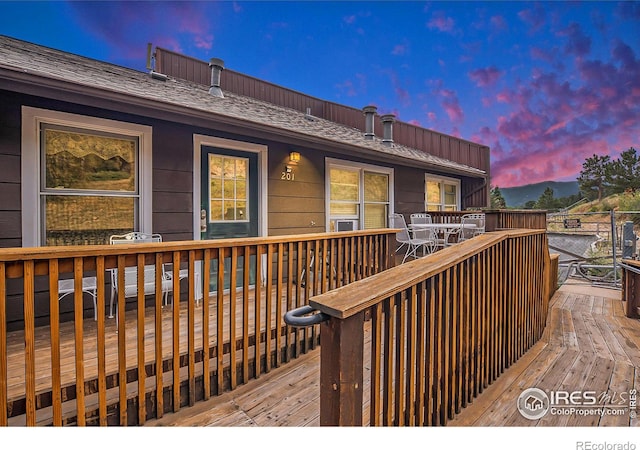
345	225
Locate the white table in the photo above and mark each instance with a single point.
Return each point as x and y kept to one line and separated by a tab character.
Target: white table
447	229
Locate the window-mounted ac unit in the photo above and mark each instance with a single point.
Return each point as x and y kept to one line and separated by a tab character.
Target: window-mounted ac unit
345	225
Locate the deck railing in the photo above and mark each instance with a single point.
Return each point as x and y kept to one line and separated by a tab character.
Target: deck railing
157	359
631	287
498	219
415	344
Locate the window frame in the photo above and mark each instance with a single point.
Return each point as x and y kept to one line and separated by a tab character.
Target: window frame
361	168
32	165
442	180
235	197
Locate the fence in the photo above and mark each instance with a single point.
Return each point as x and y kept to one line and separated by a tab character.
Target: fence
153	359
427	337
498	219
592	244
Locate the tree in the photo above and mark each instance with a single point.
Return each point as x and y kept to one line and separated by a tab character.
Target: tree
497	200
625	172
595	176
546	200
531	204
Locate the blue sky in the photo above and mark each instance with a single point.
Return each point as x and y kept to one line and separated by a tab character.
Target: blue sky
544	84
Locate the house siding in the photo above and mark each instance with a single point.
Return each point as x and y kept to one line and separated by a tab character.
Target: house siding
293	207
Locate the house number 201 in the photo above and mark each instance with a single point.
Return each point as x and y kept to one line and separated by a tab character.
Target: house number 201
289	176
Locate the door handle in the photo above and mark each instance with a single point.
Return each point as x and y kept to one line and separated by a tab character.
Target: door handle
203	221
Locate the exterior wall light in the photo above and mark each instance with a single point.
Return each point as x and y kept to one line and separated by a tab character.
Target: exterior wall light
294	157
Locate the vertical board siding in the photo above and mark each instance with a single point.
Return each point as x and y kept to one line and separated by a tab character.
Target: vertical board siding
154	358
446	327
449	147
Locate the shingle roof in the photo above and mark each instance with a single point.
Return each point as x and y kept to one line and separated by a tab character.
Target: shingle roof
26	59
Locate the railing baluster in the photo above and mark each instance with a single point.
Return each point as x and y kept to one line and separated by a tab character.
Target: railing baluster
245	312
258	309
158	333
101	340
175	278
54	333
206	348
220	322
122	344
29	343
233	381
191	317
279	300
140	307
376	352
268	308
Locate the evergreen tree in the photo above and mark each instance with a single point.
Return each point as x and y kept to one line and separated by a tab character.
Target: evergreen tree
497	200
625	172
546	200
595	176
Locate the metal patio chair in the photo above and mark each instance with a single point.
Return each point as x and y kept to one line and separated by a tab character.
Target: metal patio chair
405	237
477	220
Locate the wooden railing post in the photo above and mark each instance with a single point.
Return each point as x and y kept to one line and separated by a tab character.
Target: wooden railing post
631	291
491	220
341	364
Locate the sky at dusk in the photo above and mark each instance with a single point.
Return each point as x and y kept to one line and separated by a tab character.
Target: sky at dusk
543	84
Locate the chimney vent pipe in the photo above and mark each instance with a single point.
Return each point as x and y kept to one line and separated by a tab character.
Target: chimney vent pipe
216	65
387	124
369	119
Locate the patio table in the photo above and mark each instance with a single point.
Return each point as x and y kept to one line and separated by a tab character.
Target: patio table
447	229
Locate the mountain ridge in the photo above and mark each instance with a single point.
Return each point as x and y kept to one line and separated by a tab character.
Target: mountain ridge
519	195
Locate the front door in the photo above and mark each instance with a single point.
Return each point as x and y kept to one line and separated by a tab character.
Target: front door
229	200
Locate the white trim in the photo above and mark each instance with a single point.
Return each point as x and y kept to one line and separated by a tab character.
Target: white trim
30	164
442	179
262	150
362	167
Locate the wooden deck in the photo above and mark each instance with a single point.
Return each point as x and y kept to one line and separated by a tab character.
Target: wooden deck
588	345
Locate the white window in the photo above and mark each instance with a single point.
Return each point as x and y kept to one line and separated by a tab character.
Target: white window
88	178
359	196
442	194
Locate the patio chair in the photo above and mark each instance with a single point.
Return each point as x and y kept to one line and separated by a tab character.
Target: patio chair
405	237
477	220
89	285
426	233
131	273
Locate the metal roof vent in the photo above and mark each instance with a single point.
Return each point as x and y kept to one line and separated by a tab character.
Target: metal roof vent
369	116
387	124
309	116
216	65
151	63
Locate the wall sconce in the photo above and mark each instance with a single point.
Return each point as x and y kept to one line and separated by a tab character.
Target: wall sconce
294	158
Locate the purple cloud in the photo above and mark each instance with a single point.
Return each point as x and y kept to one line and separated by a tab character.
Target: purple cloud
451	105
558	124
579	44
486	76
440	22
118	25
498	23
534	17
